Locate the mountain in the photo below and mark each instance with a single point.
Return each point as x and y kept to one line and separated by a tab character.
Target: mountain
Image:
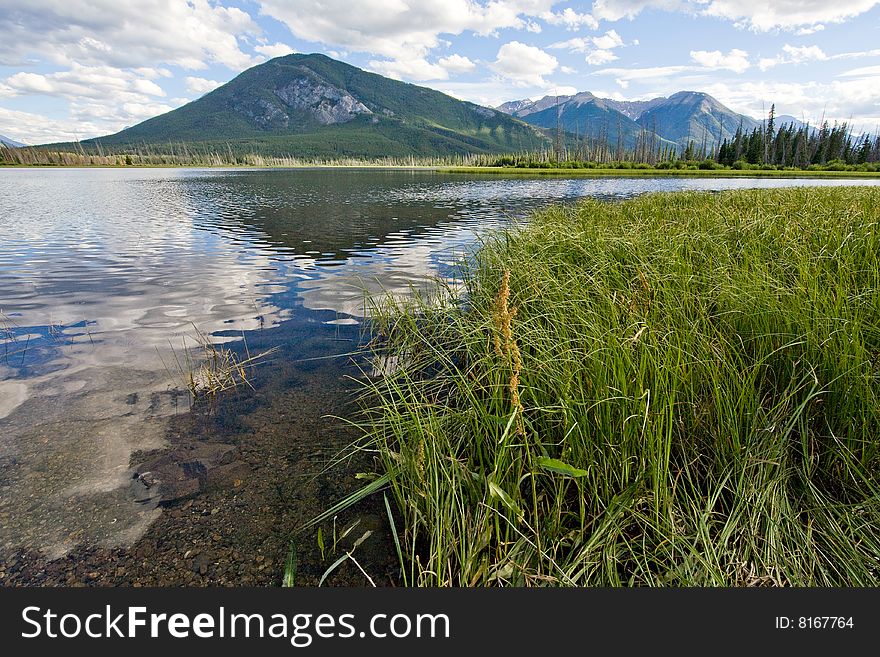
693	116
314	106
583	114
787	119
522	108
9	143
681	118
633	108
514	107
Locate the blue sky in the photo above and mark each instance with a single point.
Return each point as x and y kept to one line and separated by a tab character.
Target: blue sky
83	68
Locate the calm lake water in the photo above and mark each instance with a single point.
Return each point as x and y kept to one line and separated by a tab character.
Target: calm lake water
105	275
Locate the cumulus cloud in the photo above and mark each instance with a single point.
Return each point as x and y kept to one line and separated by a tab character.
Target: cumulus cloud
272	50
418	69
611	39
101	100
492	93
524	65
106	32
401	29
600	57
599	50
736	60
806	31
85	120
200	86
607	41
763	16
615	10
757	15
570	19
793	55
457	64
95	82
837	100
713	60
577	44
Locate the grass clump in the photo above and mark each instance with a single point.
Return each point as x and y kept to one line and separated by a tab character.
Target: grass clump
208	368
680	389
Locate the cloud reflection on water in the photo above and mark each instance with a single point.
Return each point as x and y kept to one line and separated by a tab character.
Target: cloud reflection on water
103	273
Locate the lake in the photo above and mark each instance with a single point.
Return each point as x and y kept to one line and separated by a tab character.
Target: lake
108	276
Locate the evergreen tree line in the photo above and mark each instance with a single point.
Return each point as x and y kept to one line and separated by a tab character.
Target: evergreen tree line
770	146
788	145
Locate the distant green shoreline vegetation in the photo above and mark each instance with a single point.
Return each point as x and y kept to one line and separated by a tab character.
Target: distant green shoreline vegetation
471	164
679	389
816	171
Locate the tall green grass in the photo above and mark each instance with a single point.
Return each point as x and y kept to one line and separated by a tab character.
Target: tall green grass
681	389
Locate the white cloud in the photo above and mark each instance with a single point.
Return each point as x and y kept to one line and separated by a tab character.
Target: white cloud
644	74
556	90
736	60
865	71
599	57
418	69
804	16
607	41
524	65
568	70
83	123
835	101
153	73
764	16
577	44
857	54
401	29
457	64
201	86
570	19
101	100
492	93
111	33
806	31
272	50
614	10
598	49
793	55
95	82
611	39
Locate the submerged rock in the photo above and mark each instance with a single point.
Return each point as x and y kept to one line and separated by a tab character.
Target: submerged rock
178	474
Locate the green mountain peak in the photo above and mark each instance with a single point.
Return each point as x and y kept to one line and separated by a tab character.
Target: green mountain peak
309	105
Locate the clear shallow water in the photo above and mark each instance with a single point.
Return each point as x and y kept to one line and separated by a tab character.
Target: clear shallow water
104	274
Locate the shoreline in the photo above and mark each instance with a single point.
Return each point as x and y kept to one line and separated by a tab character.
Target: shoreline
236	525
488	171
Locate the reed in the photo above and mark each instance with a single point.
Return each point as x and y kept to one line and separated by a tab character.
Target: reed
206	369
681	389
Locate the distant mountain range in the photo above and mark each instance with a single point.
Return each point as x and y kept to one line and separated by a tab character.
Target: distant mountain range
10	143
687	116
314	106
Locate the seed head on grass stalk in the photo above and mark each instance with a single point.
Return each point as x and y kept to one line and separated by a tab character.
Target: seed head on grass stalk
503	315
